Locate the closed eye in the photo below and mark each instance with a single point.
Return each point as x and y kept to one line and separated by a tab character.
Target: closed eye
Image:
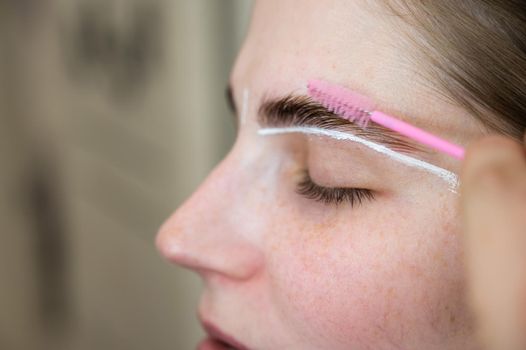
333	195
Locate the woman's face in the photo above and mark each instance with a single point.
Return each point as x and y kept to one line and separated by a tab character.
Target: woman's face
283	269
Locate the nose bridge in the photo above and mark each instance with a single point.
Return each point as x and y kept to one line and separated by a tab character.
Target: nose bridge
208	232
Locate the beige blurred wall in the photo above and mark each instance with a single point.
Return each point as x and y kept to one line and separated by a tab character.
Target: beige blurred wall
111	113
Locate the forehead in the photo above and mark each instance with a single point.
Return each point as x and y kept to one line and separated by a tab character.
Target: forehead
340	40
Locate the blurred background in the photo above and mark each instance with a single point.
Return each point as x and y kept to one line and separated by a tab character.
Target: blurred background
111	114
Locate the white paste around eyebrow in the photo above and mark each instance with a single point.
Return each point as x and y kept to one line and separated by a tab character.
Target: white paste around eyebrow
448	176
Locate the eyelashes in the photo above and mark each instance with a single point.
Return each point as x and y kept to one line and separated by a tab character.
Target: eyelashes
333	195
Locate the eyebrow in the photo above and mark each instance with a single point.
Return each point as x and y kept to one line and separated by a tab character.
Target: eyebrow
302	111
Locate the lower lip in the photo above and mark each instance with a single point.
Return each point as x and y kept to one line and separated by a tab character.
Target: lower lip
211	344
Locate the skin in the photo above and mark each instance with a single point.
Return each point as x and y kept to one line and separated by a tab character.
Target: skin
282	271
493	204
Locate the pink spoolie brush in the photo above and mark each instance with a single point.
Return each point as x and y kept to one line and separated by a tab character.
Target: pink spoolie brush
359	109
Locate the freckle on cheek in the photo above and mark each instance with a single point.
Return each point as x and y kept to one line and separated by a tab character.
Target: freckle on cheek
319	237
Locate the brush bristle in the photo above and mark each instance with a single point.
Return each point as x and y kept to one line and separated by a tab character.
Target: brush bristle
341	101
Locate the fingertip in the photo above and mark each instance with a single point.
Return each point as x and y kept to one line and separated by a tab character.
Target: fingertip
493	159
491	149
494	144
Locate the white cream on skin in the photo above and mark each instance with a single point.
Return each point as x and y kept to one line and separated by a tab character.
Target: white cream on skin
448	176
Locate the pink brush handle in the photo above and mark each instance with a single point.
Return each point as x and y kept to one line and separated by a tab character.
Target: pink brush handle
418	134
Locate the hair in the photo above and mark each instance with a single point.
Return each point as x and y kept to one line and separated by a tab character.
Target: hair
475	50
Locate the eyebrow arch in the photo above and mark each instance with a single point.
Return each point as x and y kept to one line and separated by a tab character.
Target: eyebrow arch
301	110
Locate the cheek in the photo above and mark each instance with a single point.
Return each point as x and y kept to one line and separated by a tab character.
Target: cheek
395	281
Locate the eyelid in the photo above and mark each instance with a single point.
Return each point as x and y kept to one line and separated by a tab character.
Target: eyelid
447	176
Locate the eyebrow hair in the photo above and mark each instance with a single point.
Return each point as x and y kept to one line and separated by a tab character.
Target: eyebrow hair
301	110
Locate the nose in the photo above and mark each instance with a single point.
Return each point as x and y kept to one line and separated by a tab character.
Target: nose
211	233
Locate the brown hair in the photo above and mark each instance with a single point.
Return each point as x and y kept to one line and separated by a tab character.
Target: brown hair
477	55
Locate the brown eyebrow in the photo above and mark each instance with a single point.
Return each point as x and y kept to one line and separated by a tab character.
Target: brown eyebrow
301	110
